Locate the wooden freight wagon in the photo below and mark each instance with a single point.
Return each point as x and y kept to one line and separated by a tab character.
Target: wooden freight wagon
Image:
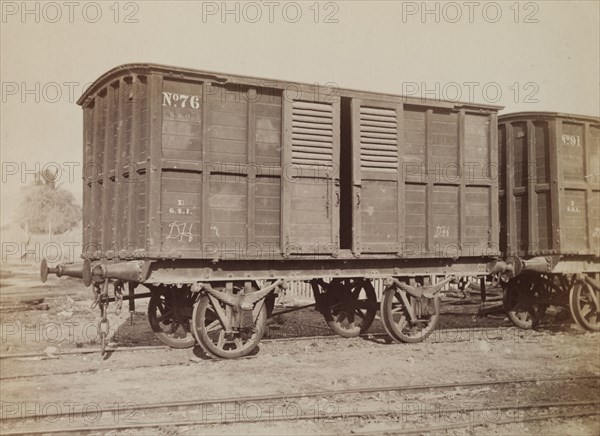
550	212
185	164
224	184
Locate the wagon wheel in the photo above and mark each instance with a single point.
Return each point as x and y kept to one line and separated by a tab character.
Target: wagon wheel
214	328
396	318
522	302
169	314
351	307
584	301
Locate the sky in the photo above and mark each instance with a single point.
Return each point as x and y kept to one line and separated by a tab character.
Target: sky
525	56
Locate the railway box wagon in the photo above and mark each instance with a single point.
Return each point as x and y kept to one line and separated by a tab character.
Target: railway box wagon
184	164
228	186
550	201
551	191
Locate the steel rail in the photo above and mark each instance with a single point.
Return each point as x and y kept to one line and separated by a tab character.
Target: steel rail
341	415
483	422
167	348
214	360
182	405
271	340
83	351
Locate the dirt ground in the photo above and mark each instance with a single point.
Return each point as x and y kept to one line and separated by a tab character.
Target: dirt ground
132	378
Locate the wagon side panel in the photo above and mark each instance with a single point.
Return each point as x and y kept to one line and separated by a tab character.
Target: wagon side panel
378	188
593	180
134	167
96	225
541	182
137	175
530	190
450	182
578	147
181	182
221	170
264	158
478	158
415	161
310	183
115	164
552	191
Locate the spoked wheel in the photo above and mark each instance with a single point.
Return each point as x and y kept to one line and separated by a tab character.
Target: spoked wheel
395	314
169	314
522	300
351	307
216	330
584	301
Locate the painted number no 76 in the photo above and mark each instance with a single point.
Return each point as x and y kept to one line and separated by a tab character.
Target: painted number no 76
173	99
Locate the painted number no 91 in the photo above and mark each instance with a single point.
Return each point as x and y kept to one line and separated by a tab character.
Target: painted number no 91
573	140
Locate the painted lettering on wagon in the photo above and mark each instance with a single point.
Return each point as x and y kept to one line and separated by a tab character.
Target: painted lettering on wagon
573	140
180	230
442	232
180	209
174	99
573	208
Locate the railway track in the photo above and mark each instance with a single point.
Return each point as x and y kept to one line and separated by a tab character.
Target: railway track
432	339
441	335
328	406
485	422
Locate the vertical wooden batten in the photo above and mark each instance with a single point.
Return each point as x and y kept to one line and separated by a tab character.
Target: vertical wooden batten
532	213
119	180
153	220
462	204
334	180
134	162
429	191
401	179
106	212
558	192
494	241
251	168
87	173
206	167
589	180
355	104
286	171
97	172
511	223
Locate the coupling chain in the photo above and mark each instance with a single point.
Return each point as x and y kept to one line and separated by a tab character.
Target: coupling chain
103	325
96	290
118	297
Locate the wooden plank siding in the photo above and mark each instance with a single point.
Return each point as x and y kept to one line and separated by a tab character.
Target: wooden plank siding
89	176
553	193
377	191
114	132
310	192
221	190
97	191
210	166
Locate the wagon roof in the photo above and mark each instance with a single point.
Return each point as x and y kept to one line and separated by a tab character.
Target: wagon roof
533	114
187	73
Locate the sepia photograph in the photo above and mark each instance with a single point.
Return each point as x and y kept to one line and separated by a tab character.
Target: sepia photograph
302	217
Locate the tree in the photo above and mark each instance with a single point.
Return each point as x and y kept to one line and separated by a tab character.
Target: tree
46	208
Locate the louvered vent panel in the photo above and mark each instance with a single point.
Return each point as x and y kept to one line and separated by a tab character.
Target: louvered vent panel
378	140
312	134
